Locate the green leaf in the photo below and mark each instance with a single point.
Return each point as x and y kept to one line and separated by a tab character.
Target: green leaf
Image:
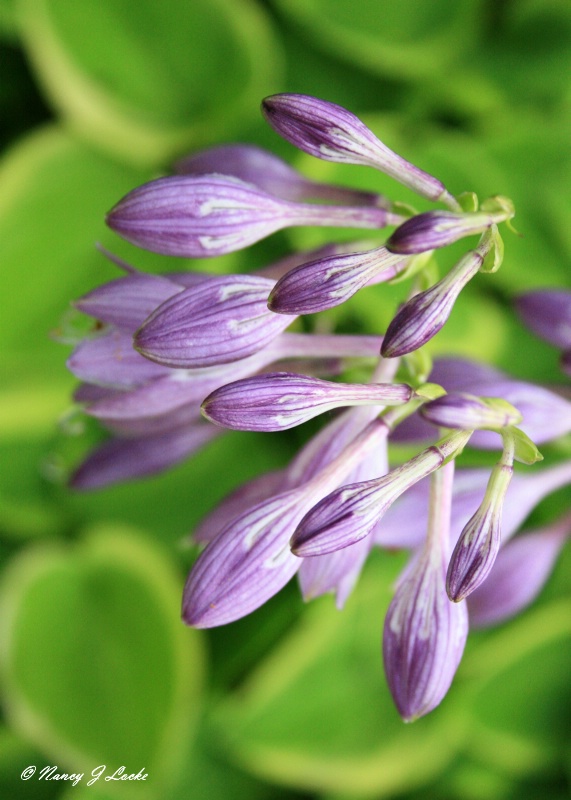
317	714
402	39
145	85
54	193
525	450
96	666
519	694
494	258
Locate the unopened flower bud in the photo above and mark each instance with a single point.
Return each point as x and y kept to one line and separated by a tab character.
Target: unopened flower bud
281	400
221	320
476	549
350	513
201	216
461	410
424	633
330	281
328	131
434	229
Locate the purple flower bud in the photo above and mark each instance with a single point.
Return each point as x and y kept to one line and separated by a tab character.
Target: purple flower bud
281	400
119	460
330	132
271	174
350	513
546	415
200	216
338	572
521	570
332	280
249	560
222	320
434	229
476	549
110	360
548	313
127	301
462	410
426	313
423	641
424	633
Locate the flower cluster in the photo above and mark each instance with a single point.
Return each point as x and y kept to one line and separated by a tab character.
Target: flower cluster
174	354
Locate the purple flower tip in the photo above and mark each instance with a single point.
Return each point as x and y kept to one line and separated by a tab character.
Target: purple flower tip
434	229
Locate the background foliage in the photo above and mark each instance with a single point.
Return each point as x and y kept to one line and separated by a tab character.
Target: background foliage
97	96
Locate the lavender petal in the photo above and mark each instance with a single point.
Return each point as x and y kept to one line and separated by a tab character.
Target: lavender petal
110	360
547	313
271	174
521	570
119	460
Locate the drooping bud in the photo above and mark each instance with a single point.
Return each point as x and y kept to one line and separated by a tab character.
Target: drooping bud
280	400
466	411
521	570
478	545
424	633
426	313
328	131
330	281
200	216
546	415
351	512
222	320
434	229
269	172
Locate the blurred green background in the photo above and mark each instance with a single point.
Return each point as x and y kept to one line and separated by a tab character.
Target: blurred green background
97	96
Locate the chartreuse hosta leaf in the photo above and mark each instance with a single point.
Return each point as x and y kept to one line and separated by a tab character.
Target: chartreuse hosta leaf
54	192
146	85
516	691
317	714
405	38
96	667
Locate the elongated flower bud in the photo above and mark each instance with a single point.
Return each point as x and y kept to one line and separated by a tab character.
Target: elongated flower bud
222	320
330	132
476	549
426	313
350	513
200	216
270	173
249	561
330	281
521	570
434	229
424	633
462	410
281	400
